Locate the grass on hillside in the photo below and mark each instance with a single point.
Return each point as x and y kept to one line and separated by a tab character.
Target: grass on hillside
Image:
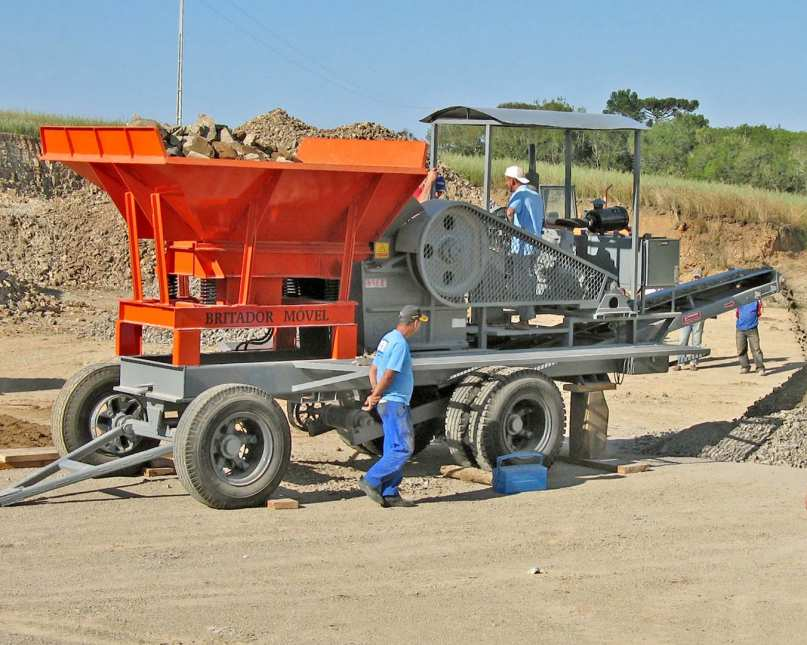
24	122
688	197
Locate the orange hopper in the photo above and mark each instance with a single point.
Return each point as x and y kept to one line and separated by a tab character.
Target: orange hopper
242	227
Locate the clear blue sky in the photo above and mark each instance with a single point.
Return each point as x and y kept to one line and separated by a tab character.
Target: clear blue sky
394	60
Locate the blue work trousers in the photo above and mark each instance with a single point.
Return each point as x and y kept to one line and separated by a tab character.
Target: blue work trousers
399	444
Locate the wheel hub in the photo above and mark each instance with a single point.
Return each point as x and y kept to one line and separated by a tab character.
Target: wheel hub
241	448
525	426
111	413
515	424
231	447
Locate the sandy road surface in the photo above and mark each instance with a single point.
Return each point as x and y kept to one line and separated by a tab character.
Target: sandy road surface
689	552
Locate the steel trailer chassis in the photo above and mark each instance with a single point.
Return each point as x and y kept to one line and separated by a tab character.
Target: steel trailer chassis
170	396
163	388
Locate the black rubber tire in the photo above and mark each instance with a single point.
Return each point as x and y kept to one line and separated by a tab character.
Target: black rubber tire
494	401
70	418
458	413
194	464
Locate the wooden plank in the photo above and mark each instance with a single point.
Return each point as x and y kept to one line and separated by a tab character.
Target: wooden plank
31	464
163	462
282	503
22	457
588	387
473	475
159	472
609	467
588	425
629	469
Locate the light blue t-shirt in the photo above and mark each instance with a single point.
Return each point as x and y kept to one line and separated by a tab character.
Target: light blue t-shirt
393	354
529	216
529	210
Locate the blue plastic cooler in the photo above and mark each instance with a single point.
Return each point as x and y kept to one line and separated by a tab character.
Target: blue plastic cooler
519	472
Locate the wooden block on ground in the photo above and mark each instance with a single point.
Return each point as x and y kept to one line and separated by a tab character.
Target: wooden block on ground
473	475
609	467
589	387
629	469
588	425
282	503
158	472
162	462
27	457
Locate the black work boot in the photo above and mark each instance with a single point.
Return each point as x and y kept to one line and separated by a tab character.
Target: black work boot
373	493
396	500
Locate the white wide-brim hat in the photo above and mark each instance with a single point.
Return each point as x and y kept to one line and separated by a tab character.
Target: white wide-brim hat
515	172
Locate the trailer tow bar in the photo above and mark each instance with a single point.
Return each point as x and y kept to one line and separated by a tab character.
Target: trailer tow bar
34	485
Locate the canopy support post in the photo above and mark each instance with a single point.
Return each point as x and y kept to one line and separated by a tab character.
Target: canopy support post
488	131
637	165
567	175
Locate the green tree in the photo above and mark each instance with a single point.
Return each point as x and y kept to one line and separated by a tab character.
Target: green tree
657	110
625	102
668	145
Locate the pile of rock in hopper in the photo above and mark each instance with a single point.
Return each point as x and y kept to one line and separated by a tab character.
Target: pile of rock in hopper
206	139
273	136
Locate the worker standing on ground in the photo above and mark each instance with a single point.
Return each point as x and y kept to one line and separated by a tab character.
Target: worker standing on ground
526	211
691	335
392	381
748	334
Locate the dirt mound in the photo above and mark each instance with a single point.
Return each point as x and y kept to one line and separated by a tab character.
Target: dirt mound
17	433
19	299
772	431
272	136
77	240
278	130
777	439
460	189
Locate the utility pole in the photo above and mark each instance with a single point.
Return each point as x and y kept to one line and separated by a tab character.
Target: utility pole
180	56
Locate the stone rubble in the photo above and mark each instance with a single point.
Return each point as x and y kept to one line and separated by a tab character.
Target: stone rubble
763	435
20	299
273	136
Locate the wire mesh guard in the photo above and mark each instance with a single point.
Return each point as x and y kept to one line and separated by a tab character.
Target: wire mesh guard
469	256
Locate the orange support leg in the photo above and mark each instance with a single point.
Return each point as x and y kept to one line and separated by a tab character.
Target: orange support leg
128	339
187	347
345	341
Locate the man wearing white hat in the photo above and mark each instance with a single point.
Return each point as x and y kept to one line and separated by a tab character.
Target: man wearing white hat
526	211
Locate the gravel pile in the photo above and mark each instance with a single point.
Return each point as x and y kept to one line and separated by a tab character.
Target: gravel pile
460	189
19	299
273	136
779	438
74	241
773	431
281	131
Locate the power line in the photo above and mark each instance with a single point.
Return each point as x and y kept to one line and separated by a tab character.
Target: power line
322	74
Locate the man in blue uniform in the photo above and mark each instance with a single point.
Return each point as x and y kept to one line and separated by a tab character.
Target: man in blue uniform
748	334
525	210
392	381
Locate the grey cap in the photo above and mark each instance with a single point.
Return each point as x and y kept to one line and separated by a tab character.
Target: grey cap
411	313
